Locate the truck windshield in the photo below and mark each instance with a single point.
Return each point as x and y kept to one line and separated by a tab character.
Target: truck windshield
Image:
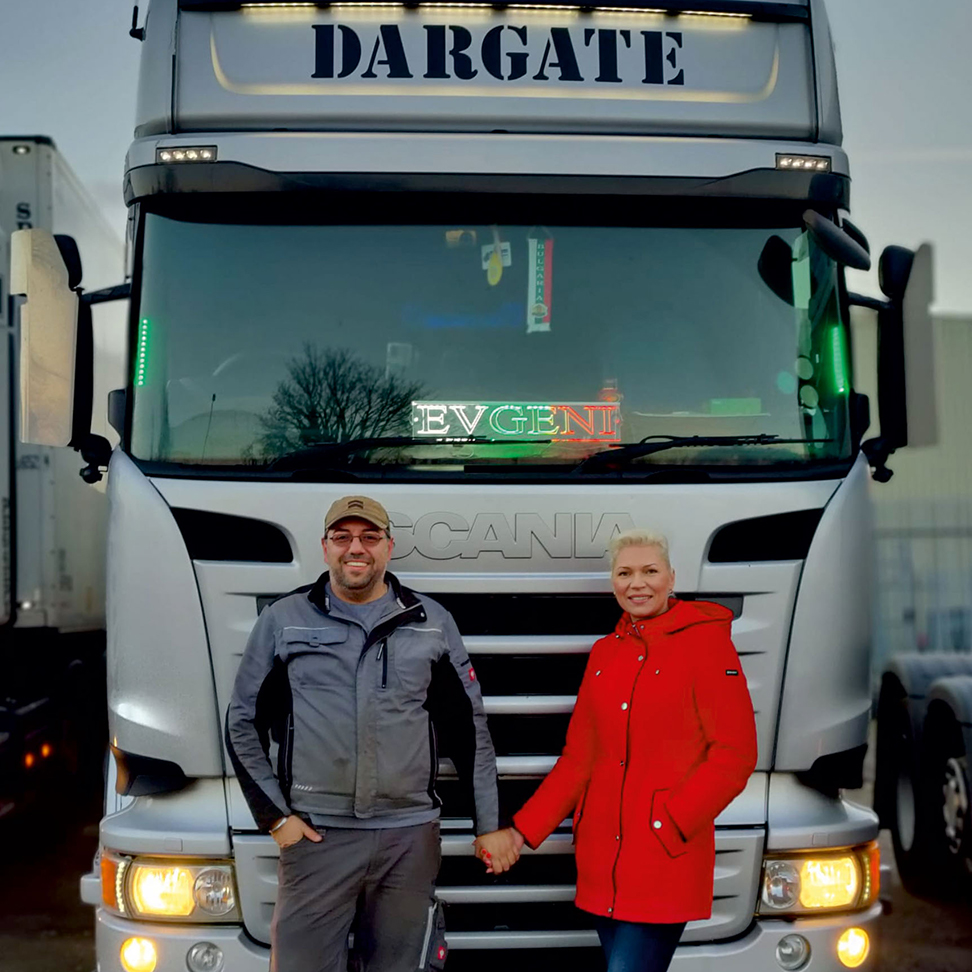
501	336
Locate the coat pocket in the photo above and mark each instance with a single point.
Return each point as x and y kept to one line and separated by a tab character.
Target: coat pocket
434	947
664	827
316	657
412	660
579	812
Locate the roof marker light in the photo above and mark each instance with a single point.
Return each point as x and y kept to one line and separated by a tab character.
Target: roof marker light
190	153
803	163
654	11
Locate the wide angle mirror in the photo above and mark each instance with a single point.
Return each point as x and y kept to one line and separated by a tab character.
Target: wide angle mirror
48	330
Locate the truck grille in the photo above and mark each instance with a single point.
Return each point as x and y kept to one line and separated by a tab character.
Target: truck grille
533	905
529	651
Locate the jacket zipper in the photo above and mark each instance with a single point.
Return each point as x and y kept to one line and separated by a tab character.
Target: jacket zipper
624	780
435	762
383	657
399	618
287	745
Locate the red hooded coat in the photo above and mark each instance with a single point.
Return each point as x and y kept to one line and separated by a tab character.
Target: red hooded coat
661	740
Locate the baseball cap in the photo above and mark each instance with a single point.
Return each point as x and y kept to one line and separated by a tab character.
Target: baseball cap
361	507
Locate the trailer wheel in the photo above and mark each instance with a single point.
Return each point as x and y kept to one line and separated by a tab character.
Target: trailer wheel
950	821
956	807
906	809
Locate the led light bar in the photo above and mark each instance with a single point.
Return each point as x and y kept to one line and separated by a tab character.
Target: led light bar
777	11
803	163
188	153
462	5
141	353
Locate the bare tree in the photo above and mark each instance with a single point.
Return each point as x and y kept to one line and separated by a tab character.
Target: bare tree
331	395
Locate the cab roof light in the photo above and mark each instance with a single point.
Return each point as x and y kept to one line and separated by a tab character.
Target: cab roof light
172	155
803	163
453	4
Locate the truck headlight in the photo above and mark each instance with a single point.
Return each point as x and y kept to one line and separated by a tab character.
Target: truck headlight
810	882
169	889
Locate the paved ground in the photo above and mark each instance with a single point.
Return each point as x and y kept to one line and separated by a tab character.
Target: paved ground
923	937
44	927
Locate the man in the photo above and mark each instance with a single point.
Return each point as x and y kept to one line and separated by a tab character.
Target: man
357	679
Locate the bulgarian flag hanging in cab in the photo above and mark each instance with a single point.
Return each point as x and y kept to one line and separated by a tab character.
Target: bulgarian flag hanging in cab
539	280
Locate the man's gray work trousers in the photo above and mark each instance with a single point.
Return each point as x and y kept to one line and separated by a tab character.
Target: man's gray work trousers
385	876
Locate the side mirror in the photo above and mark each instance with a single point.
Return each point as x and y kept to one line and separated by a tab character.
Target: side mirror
919	350
835	242
48	337
906	367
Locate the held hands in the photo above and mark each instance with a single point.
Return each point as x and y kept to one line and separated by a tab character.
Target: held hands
293	830
499	850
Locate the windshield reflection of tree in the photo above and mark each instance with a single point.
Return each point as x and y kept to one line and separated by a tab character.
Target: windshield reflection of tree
332	395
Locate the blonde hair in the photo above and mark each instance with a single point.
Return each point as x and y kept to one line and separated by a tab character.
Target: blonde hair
639	538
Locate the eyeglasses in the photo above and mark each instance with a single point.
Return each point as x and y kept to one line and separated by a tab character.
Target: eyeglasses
343	539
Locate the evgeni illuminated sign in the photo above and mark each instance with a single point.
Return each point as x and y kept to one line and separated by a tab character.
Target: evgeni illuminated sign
570	422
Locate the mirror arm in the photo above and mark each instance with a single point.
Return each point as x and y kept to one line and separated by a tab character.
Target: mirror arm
877	452
873	303
118	292
96	452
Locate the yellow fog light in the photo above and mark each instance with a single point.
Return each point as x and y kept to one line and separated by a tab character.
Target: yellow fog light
829	882
165	891
138	955
853	947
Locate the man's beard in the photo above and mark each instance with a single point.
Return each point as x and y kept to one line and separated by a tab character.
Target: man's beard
359	583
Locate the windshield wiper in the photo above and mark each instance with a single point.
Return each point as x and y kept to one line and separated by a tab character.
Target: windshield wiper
623	455
310	456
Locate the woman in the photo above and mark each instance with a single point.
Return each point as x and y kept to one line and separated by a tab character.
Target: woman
661	739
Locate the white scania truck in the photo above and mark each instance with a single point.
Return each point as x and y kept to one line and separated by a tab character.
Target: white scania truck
529	275
52	525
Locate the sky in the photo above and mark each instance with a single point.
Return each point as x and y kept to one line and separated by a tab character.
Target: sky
68	69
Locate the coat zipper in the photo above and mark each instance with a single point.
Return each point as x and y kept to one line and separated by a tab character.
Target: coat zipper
399	617
624	780
434	739
383	657
287	760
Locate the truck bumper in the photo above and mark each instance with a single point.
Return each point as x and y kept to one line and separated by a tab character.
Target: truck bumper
756	950
172	943
753	952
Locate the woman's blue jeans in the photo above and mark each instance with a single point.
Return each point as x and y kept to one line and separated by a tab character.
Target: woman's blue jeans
633	946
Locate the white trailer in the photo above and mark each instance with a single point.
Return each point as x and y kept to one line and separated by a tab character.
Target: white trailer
52	525
528	275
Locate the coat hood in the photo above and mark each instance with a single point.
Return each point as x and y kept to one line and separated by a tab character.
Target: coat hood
679	616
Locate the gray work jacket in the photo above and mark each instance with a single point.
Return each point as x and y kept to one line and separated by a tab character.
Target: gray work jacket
358	717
